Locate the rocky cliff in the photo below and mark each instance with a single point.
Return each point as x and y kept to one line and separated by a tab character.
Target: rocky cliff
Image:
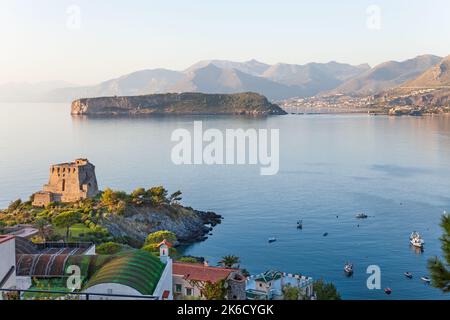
188	224
247	103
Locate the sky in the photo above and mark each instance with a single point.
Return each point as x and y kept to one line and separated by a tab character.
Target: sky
88	41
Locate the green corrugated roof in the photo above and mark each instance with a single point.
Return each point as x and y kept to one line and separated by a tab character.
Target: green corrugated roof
137	269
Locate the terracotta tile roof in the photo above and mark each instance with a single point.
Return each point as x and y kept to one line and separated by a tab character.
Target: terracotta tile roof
167	243
200	272
6	238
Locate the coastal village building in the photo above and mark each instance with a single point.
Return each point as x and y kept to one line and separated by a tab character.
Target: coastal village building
7	262
269	285
190	278
68	182
134	273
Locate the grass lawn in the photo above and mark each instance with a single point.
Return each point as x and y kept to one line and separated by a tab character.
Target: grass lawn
75	231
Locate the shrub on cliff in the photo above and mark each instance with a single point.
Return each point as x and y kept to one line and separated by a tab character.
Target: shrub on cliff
108	248
158	236
111	198
14	205
188	260
158	195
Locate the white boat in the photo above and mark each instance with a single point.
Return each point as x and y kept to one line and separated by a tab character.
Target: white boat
425	279
348	268
272	239
361	216
416	240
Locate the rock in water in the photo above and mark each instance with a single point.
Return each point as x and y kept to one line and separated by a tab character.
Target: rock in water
191	103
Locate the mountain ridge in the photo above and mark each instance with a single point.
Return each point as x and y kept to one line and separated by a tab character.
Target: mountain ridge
278	81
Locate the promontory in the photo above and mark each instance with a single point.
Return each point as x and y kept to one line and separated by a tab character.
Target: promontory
189	103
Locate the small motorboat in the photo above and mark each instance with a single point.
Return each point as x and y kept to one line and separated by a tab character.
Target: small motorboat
300	224
348	268
272	239
408	275
388	290
416	240
325	234
425	279
361	216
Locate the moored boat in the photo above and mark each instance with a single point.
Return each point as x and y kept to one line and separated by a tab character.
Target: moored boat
416	240
425	279
348	268
408	275
361	216
272	239
388	290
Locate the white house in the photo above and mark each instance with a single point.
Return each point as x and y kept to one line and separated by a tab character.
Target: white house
7	262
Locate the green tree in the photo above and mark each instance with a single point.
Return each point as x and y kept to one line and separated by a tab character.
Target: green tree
14	205
214	291
41	224
230	261
158	195
175	197
111	198
440	269
325	291
138	196
158	236
291	293
188	260
2	226
67	219
108	248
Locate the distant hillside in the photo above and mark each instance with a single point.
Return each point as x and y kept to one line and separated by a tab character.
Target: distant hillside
313	77
387	75
436	76
429	91
136	83
276	82
212	79
252	67
178	104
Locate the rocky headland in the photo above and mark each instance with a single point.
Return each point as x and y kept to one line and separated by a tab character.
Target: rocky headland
247	103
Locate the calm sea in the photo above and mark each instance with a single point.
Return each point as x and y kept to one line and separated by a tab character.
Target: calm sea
397	170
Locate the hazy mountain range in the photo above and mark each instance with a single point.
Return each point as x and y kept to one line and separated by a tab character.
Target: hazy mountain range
276	82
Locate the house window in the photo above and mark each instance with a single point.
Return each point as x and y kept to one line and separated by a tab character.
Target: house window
178	288
189	291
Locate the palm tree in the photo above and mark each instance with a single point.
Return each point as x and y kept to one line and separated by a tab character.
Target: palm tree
41	225
440	270
230	261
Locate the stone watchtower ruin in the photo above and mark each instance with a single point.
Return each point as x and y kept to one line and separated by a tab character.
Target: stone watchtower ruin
69	182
